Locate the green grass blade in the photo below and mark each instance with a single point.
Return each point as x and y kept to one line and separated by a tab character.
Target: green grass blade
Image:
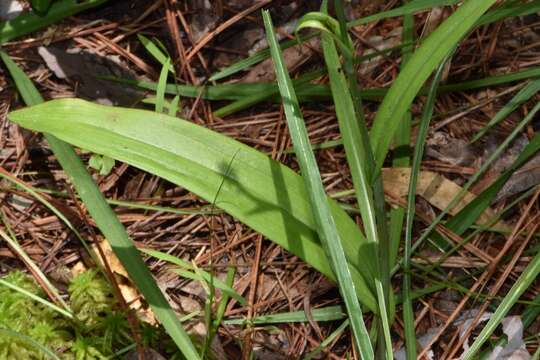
162	84
156	52
410	80
201	275
408	314
468	215
206	277
401	157
359	157
326	226
265	195
334	335
522	96
107	221
29	22
329	313
509	9
34	297
175	106
520	286
315	92
408	9
498	151
14	245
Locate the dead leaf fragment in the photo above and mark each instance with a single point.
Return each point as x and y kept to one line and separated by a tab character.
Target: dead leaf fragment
435	188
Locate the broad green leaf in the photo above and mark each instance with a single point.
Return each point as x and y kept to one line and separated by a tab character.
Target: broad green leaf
106	220
29	22
265	195
411	79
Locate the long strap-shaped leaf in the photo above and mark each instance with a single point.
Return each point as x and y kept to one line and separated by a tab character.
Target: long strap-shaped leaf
107	221
326	227
428	56
265	195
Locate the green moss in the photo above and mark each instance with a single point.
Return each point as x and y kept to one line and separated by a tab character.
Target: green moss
98	331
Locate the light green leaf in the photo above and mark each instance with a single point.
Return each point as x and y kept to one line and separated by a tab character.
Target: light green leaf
265	195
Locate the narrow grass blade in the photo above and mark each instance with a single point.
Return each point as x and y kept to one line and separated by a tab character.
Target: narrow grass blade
29	22
520	286
156	52
326	227
509	9
468	215
329	313
14	245
334	335
358	154
522	96
410	80
107	221
162	84
408	314
315	92
407	9
36	298
401	156
206	277
477	175
265	195
175	106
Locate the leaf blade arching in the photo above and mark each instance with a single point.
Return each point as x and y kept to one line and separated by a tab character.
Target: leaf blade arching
195	158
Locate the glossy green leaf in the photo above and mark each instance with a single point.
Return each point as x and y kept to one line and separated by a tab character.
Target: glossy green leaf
411	79
265	195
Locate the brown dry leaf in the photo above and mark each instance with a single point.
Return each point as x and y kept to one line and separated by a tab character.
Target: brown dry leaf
434	188
129	293
113	262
